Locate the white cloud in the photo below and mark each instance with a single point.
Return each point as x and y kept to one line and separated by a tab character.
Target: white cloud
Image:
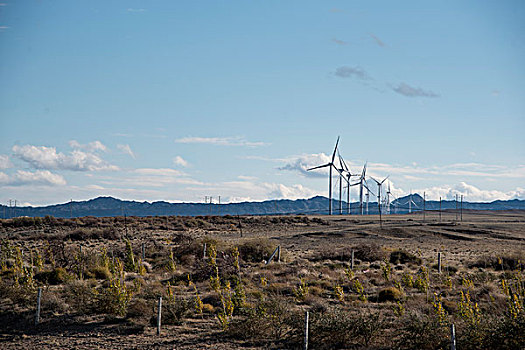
221	141
127	150
39	177
457	169
248	178
470	193
250	190
178	160
136	10
90	147
290	192
5	163
42	157
302	163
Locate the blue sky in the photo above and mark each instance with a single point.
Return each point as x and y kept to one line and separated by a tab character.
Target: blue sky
178	100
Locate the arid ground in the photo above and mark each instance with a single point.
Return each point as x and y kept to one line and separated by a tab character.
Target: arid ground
97	292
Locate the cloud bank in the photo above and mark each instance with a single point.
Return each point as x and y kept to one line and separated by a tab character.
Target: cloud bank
42	157
39	177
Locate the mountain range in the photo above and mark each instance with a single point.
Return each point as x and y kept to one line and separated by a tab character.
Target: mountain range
109	206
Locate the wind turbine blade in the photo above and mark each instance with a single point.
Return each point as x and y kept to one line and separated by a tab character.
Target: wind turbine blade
341	162
340	172
344	164
384	179
378	183
335	149
320	166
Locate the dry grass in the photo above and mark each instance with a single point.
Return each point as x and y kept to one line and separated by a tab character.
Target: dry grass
393	298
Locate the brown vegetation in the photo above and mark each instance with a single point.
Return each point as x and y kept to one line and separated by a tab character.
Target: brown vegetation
95	282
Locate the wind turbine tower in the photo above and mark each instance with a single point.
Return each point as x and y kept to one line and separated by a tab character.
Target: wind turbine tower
387	199
361	185
329	165
379	184
367	199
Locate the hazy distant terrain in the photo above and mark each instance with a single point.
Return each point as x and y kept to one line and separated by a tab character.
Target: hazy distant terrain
109	206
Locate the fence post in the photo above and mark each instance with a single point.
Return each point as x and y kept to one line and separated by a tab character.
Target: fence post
204	251
143	251
159	315
352	261
452	337
279	254
278	249
38	298
439	262
305	342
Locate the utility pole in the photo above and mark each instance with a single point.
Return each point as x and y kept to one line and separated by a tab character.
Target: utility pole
456	206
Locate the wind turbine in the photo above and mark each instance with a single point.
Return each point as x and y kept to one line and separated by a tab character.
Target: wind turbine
379	184
345	169
362	181
367	199
410	202
368	191
330	165
387	201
